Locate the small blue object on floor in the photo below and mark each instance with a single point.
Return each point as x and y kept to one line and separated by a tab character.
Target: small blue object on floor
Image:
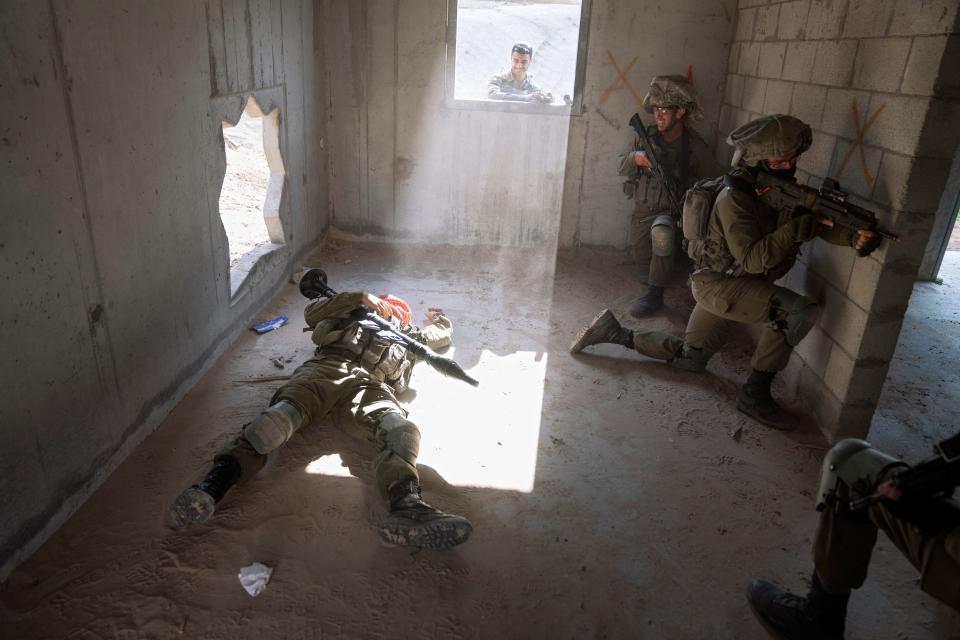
270	325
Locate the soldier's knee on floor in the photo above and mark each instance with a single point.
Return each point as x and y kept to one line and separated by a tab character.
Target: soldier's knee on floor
400	436
797	315
663	236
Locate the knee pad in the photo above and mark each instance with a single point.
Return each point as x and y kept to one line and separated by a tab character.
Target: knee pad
400	436
857	465
274	426
663	235
690	359
797	315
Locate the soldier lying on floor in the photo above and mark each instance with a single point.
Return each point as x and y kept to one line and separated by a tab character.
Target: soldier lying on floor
354	378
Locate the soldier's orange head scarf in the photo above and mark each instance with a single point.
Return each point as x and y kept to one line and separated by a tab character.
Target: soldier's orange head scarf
401	310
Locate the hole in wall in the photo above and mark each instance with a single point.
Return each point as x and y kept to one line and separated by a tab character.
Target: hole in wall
252	186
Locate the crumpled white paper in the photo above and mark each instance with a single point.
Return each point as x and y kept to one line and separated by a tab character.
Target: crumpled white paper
254	578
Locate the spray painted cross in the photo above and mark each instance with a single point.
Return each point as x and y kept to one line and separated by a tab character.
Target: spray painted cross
858	143
621	79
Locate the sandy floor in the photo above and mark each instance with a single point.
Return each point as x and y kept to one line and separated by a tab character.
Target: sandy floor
612	497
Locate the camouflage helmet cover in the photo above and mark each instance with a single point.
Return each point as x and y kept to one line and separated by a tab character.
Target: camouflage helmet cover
771	136
674	91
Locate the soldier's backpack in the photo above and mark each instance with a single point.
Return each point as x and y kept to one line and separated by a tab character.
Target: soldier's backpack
697	205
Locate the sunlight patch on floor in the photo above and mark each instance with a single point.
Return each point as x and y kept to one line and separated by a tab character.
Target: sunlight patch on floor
485	436
329	465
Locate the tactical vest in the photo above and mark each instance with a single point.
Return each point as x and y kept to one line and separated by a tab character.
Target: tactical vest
378	352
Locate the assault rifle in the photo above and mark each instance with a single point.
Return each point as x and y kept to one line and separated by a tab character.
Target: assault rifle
934	477
826	202
313	284
667	183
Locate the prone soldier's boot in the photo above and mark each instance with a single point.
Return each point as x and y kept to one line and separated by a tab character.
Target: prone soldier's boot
198	503
603	328
755	401
648	303
414	523
819	616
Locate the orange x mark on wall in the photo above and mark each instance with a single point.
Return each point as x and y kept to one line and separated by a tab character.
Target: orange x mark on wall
858	143
621	79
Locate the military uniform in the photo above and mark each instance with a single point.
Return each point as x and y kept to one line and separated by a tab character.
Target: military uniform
651	204
354	378
503	86
749	246
844	543
655	225
925	529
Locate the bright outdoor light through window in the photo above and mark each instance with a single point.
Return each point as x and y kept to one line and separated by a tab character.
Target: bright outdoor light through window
487	30
252	186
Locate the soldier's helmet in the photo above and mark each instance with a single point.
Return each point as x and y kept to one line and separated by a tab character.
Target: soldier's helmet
771	136
673	91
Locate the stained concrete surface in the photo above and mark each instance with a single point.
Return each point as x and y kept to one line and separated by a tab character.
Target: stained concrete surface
651	502
920	400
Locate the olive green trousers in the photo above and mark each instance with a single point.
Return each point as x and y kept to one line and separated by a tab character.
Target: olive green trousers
844	543
338	388
722	302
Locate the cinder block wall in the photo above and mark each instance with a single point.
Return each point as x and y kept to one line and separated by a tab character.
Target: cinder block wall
115	289
877	80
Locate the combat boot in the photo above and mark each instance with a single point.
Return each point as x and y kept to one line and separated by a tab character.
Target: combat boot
413	523
755	401
198	503
603	328
819	616
648	303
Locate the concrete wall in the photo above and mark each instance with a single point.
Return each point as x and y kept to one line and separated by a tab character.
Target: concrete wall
408	165
877	80
115	266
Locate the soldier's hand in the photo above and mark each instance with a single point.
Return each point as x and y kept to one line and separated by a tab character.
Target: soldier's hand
641	160
866	242
382	307
889	490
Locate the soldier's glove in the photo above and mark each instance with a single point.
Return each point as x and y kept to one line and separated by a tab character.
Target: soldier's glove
872	243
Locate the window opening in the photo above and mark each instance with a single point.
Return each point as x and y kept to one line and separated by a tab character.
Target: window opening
516	55
252	185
